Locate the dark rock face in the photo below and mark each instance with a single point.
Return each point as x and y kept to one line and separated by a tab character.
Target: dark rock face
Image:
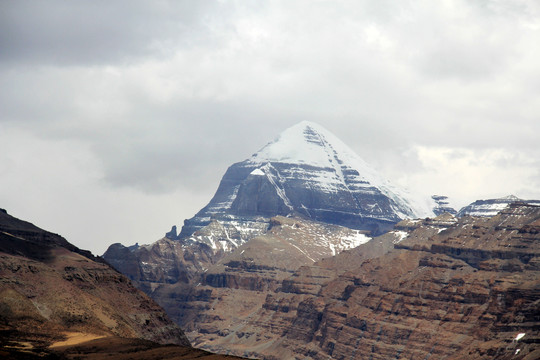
163	262
221	284
442	206
308	172
39	242
173	234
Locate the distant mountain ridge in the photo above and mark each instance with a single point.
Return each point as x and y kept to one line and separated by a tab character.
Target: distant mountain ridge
490	207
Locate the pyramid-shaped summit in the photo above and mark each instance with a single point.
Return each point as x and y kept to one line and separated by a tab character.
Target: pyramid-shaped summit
306	171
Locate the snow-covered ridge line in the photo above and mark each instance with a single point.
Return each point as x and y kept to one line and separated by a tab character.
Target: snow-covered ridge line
311	144
490	207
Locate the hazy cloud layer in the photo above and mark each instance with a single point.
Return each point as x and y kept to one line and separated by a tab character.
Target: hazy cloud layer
138	107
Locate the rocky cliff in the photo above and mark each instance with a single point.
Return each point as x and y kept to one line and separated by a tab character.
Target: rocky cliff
433	288
252	269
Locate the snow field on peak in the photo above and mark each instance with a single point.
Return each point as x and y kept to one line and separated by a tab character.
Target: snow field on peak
310	144
257	172
291	146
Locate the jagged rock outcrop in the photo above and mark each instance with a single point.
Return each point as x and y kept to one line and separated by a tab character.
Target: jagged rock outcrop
173	234
442	205
453	289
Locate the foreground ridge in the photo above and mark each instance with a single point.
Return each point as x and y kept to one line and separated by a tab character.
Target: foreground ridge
444	288
60	302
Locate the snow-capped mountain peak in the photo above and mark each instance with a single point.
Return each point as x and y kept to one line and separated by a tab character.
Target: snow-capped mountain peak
308	171
310	144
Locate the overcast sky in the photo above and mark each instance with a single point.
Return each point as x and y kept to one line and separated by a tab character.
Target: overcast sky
118	118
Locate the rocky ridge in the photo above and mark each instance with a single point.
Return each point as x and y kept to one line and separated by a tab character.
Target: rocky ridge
256	266
50	285
444	288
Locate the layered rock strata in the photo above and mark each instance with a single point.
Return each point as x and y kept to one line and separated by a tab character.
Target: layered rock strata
466	289
247	274
442	205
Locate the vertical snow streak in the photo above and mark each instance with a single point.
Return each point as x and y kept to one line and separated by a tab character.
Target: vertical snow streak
281	192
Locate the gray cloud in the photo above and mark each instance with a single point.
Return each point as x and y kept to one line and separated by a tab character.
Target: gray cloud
99	32
163	96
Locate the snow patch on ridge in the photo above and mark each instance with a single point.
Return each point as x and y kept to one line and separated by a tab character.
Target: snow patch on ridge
400	236
257	172
491	207
353	240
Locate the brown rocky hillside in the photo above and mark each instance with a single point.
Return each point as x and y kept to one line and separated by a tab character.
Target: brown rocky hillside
435	288
465	291
54	296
